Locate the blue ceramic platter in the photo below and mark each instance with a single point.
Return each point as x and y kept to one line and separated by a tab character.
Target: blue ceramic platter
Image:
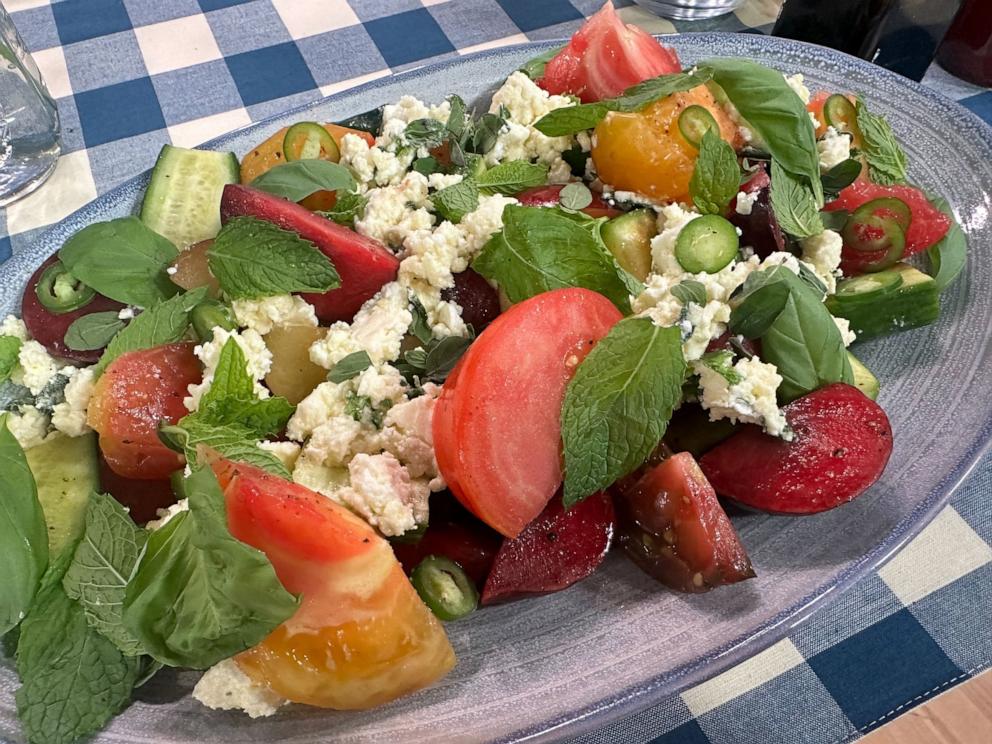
548	668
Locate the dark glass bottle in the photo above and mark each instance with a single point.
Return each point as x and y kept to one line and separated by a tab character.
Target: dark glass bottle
967	49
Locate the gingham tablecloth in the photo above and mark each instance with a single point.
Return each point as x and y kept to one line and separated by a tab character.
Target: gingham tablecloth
130	75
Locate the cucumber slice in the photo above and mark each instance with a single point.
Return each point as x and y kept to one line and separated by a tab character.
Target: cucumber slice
706	244
66	472
864	380
182	202
869	286
629	239
914	303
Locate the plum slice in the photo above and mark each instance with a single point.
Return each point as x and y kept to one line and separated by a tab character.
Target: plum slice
842	442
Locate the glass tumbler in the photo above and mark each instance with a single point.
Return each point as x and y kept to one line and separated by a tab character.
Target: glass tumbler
29	119
690	10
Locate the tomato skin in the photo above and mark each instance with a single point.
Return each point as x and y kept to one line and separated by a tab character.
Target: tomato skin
135	393
550	196
497	429
605	57
361	636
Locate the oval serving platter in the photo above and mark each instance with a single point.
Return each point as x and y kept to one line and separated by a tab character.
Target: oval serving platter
548	668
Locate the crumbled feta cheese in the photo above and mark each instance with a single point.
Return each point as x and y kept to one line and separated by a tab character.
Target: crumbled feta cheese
327	401
751	400
844	326
167	514
69	417
270	312
525	100
823	253
407	433
332	441
29	426
833	148
745	202
394	212
781	258
707	322
383	494
378	329
14	327
478	226
381	384
226	687
584	140
172	270
796	82
259	361
36	368
373	166
126	313
396	117
286	452
438	181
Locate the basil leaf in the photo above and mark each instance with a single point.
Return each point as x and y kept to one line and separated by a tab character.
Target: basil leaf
775	112
122	259
512	177
575	197
73	679
232	441
840	177
455	201
534	67
163	324
722	362
200	595
10	349
93	331
301	178
348	207
571	119
618	405
104	561
252	258
794	204
542	249
886	160
949	256
690	291
716	177
428	133
350	366
23	533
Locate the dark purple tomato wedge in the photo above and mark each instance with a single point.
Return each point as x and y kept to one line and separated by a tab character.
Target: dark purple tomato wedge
470	544
759	229
48	328
478	300
143	498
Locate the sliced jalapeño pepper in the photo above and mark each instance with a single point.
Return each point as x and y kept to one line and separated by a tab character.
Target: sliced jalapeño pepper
694	122
882	239
60	292
445	587
208	315
308	140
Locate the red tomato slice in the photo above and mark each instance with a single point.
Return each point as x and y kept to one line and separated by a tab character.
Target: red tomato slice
135	393
605	57
497	430
361	636
550	196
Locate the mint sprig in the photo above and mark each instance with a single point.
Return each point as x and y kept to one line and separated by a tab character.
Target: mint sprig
716	175
887	161
794	204
512	177
455	201
10	349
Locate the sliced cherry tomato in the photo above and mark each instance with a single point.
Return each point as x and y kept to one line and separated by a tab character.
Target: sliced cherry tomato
605	57
361	636
136	392
550	196
497	430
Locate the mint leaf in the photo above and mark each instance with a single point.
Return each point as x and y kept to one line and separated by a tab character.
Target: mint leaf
949	256
23	534
722	362
105	559
73	679
252	258
618	405
717	175
794	204
200	595
534	67
232	441
426	166
572	119
164	324
350	366
690	291
93	331
301	178
455	201
428	133
10	349
886	160
512	177
122	259
419	326
543	249
347	208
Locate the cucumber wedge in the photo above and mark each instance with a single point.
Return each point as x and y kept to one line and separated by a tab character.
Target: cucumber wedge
864	380
66	472
912	303
182	202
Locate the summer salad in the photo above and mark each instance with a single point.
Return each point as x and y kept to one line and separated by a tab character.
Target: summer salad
307	406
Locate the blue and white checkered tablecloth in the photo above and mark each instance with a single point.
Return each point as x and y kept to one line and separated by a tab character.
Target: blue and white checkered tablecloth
131	74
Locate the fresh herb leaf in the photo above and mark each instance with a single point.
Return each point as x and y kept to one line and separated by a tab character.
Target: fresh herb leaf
301	178
93	331
252	258
23	533
104	562
571	119
362	409
164	324
812	280
690	291
347	208
775	112
543	249
949	256
459	120
512	177
794	204
434	361
200	595
10	349
486	131
575	197
455	201
618	405
368	121
534	67
419	326
722	362
886	160
835	219
576	158
428	133
716	177
840	177
122	259
351	366
426	166
232	441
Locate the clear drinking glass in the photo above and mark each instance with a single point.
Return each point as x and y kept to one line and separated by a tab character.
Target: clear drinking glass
29	119
690	10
